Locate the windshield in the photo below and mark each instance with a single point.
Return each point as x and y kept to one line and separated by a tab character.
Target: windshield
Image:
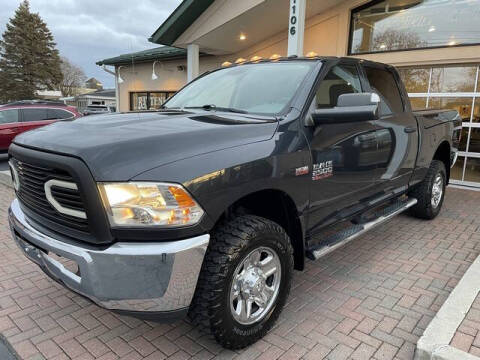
255	88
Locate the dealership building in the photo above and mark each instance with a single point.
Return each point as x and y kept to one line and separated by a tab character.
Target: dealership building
435	44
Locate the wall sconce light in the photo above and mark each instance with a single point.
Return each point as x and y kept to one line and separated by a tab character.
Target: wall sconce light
154	76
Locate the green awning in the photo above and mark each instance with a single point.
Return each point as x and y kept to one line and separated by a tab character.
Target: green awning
159	53
179	21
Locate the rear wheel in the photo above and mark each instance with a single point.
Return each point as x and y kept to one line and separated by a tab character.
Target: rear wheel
430	193
244	282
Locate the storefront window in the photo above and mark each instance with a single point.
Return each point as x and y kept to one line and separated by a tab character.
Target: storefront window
474	145
453	79
138	101
476	111
439	90
462	105
148	100
456	172
415	79
412	24
418	103
472	170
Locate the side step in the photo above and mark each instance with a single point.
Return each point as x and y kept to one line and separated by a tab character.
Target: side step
343	237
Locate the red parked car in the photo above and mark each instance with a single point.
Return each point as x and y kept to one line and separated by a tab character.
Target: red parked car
20	116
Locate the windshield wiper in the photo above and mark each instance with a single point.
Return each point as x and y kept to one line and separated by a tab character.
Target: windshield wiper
209	107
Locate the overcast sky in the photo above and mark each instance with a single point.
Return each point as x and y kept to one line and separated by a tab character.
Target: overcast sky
90	30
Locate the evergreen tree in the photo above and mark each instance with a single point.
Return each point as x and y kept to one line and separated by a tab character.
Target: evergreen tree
29	60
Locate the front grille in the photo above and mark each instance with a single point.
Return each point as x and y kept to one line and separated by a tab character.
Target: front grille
31	193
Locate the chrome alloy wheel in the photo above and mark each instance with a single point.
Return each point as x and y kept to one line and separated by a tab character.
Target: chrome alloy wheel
255	286
437	190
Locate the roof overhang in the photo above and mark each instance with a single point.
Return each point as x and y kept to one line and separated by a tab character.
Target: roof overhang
159	53
179	21
216	26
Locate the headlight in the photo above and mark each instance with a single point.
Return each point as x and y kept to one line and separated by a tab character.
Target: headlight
149	204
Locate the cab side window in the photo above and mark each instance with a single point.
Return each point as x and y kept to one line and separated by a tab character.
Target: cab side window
383	83
8	116
342	79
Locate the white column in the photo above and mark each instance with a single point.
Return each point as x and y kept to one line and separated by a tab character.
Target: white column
117	91
193	54
296	27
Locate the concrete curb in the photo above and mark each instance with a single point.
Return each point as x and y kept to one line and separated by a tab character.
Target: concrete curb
434	343
5	178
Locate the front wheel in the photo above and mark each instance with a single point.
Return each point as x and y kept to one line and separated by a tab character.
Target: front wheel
430	193
244	282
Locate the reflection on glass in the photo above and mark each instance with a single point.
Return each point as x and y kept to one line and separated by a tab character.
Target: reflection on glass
462	105
457	170
409	24
463	140
474	145
415	79
472	170
418	103
453	79
476	110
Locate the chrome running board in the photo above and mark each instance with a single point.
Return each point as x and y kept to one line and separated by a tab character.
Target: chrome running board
343	237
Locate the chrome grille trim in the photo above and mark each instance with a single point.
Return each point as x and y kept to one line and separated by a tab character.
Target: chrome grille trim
56	205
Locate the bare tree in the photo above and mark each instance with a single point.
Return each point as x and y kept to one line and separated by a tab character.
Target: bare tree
73	78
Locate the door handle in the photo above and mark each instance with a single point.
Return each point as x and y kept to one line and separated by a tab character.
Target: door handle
410	129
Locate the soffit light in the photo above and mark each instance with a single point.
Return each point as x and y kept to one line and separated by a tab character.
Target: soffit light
311	54
275	57
240	60
256	58
226	64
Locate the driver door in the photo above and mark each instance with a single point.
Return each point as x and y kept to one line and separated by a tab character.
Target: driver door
343	154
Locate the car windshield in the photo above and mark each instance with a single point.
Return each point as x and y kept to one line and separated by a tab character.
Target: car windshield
264	88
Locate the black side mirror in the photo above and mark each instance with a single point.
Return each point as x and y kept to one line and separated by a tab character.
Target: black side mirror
350	108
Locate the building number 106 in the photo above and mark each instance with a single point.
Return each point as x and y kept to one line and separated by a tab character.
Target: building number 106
293	18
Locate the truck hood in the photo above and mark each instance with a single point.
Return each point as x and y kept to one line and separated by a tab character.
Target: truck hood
118	147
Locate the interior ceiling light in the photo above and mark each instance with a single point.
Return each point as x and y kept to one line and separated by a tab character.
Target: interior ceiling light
275	57
311	54
226	64
243	37
256	58
240	60
431	29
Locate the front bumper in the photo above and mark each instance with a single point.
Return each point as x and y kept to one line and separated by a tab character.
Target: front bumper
143	278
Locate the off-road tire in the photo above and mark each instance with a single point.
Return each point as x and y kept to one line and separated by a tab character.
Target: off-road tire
423	192
229	244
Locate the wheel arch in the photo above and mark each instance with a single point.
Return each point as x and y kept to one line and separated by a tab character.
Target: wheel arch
275	205
443	154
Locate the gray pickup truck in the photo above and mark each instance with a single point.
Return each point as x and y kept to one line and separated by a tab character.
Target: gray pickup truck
207	206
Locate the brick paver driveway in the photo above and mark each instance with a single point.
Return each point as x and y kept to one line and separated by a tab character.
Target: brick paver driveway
370	299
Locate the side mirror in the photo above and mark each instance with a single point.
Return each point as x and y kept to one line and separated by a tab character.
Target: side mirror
350	108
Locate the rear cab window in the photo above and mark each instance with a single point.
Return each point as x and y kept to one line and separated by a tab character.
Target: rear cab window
382	81
8	116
